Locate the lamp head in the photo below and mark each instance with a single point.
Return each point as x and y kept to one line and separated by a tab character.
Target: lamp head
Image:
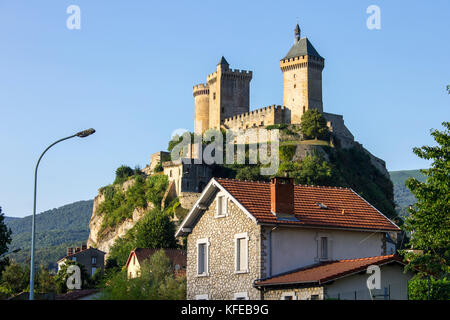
85	133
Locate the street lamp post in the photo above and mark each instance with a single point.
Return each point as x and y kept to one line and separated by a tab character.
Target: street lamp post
81	134
14	251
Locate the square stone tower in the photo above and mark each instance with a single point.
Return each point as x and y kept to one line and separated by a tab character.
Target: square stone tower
302	78
229	93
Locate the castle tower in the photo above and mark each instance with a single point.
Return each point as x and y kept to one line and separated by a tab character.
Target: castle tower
229	93
201	99
302	78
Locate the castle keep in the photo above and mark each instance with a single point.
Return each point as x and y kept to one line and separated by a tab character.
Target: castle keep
224	101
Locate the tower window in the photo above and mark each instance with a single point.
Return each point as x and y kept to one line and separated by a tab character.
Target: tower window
214	96
295	76
295	86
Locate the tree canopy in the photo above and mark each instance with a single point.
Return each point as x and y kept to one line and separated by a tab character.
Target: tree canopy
314	125
429	220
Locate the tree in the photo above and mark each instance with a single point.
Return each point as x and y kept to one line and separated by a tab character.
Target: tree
312	170
16	278
45	282
314	125
5	239
122	174
156	281
429	220
155	231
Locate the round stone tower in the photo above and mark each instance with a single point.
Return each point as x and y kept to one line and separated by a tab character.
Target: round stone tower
201	99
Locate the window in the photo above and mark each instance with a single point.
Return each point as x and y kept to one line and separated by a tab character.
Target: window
315	297
93	270
74	258
323	248
94	260
222	206
241	296
201	297
202	257
214	96
134	259
241	253
288	296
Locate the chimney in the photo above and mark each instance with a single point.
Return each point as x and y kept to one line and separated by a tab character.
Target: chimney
69	251
282	197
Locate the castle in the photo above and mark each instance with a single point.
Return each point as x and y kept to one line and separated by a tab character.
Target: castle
224	100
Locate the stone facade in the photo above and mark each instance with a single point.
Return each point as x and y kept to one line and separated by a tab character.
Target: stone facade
311	293
257	118
188	177
302	85
223	282
225	94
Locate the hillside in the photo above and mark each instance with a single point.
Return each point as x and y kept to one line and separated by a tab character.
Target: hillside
56	229
403	197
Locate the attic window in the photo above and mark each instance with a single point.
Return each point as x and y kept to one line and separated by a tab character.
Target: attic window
321	205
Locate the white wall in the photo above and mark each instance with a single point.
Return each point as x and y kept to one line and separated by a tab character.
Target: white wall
391	274
294	248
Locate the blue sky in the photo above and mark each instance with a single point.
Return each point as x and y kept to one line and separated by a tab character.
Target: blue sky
129	71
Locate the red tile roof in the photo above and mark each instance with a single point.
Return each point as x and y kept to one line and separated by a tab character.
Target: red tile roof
327	271
345	208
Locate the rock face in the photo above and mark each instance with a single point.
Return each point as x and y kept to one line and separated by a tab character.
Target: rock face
105	242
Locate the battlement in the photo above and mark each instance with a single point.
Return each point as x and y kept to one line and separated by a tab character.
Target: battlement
230	73
254	113
302	59
302	62
200	89
262	117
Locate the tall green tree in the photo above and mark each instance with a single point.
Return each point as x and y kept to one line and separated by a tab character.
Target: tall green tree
5	239
314	125
429	220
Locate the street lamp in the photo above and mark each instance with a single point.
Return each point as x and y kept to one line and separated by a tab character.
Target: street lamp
81	134
14	251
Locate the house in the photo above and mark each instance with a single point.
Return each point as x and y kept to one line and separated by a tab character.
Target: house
91	258
256	240
177	258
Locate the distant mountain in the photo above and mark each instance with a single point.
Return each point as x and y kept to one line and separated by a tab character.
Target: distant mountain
403	197
56	230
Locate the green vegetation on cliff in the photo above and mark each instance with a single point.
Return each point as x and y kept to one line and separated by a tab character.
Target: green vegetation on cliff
119	205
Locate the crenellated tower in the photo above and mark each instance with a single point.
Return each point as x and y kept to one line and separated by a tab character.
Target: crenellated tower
302	78
201	99
229	93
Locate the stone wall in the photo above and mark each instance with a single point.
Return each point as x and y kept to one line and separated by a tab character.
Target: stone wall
257	118
223	282
311	293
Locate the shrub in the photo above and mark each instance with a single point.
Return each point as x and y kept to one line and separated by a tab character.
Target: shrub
122	174
429	289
